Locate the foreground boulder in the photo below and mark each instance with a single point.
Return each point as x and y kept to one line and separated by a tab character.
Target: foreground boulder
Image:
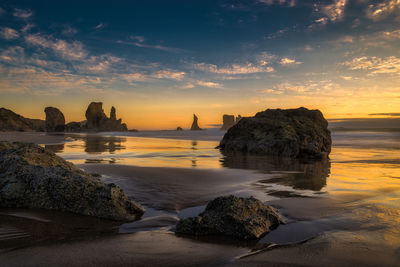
34	177
295	133
243	218
11	121
55	120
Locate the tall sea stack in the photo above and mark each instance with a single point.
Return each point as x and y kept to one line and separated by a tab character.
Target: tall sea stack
195	126
55	120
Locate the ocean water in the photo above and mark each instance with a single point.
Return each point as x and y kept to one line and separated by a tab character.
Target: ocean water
353	198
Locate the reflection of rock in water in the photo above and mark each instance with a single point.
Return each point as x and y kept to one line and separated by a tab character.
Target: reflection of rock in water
309	175
55	148
194	145
98	144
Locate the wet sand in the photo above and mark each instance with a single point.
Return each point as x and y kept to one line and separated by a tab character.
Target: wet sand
33	137
338	213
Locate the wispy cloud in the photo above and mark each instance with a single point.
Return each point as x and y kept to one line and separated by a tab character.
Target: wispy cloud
100	26
233	69
289	62
377	11
22	13
8	33
288	3
68	30
384	114
375	65
68	50
140	43
209	84
168	74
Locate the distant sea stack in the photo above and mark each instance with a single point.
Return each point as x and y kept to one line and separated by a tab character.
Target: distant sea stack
98	121
10	121
294	133
179	128
228	121
55	121
195	126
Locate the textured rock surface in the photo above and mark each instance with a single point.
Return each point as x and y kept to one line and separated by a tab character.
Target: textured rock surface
33	177
10	121
55	121
228	121
97	120
244	218
195	125
295	133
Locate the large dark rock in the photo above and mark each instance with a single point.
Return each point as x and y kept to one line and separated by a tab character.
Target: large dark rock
195	125
243	218
228	121
98	121
295	133
34	177
10	121
55	121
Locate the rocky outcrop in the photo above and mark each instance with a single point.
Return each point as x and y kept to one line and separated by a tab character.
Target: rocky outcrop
10	121
34	177
243	218
55	121
195	126
75	127
295	133
228	121
179	128
98	121
238	118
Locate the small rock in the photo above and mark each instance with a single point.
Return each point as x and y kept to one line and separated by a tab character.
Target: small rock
243	218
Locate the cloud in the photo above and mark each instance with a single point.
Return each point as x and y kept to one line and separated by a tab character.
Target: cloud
140	43
377	11
167	74
8	33
97	64
138	38
100	26
233	69
134	77
289	62
22	13
308	87
335	11
68	50
69	31
209	84
288	3
27	27
375	65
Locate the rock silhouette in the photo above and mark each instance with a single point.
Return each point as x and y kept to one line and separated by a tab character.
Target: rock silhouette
10	121
55	121
179	128
244	218
98	121
228	121
195	126
295	133
238	118
34	177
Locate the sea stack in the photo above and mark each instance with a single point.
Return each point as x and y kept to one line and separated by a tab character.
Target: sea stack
55	120
98	121
228	121
293	133
195	126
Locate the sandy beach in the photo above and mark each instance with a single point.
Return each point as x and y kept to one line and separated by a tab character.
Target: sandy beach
327	223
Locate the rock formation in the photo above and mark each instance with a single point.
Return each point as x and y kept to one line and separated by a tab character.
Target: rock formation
195	126
34	177
238	118
98	121
295	133
55	121
243	218
10	121
179	128
228	121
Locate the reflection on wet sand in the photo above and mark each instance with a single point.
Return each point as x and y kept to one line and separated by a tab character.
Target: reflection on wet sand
55	148
305	175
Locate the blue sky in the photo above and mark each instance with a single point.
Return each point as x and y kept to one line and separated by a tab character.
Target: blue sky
160	61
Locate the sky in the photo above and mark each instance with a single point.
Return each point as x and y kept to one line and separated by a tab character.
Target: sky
158	62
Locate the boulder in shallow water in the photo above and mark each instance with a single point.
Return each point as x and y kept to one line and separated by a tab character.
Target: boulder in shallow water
243	218
34	177
295	133
55	121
